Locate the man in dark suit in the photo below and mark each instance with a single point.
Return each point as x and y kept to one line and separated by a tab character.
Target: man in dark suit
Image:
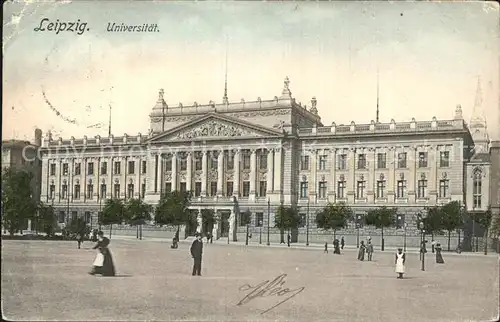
196	252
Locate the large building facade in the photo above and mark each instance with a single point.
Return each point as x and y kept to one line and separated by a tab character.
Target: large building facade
255	156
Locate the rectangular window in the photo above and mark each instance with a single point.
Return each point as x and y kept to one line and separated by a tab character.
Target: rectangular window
52	191
381	160
117	169
422	159
259	219
341	189
262	188
131	167
144	167
87	216
322	162
322	190
303	189
400	221
130	190
198	162
213	163
246	188
183	164
104	168
360	189
78	169
143	190
168	187
444	159
90	191
263	160
229	161
64	189
197	189
90	168
362	161
103	191
229	188
302	220
422	188
74	215
246	160
76	194
213	188
342	161
380	188
402	160
182	187
61	216
443	188
401	189
168	164
52	169
304	162
117	191
65	169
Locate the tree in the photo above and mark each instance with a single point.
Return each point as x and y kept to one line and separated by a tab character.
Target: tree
46	220
246	218
17	202
451	218
334	216
78	226
112	213
137	212
495	230
433	222
381	218
485	221
286	218
173	209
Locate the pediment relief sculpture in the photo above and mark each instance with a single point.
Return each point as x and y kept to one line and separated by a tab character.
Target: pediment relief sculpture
214	129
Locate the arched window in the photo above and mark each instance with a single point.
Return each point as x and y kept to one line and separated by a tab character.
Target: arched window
477	188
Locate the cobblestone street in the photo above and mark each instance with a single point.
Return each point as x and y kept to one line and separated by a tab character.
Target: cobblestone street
48	280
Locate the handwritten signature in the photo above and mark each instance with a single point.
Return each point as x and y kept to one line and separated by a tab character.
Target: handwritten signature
266	289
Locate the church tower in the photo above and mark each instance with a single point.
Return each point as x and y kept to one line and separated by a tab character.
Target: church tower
477	126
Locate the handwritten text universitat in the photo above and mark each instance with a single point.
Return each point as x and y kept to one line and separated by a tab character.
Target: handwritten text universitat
146	27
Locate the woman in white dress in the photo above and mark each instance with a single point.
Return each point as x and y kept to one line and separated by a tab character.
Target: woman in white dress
400	262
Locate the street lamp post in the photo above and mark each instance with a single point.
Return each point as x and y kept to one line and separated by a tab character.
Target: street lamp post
307	224
260	234
404	241
268	218
99	219
422	245
358	219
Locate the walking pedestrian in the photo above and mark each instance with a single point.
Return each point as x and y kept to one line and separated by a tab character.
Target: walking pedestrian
326	248
369	250
439	256
196	253
288	239
336	248
361	252
103	263
342	242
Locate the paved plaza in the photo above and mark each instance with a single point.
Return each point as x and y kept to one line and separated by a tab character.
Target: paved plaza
48	280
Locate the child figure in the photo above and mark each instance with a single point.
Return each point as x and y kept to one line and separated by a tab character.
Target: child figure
326	248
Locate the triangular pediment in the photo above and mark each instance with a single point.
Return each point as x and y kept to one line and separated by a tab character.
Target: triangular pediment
216	127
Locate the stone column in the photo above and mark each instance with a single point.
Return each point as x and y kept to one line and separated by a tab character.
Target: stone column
277	171
150	173
270	171
220	173
433	186
312	178
137	183
200	221
371	165
236	171
215	229
331	181
391	160
412	180
159	174
204	174
110	189
189	172
232	226
253	173
174	171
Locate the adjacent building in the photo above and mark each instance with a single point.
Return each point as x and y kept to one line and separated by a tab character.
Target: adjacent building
258	155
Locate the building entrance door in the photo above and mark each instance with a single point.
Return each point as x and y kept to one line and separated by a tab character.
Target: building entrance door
224	227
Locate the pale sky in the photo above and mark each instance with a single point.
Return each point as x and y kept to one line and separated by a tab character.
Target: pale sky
429	57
